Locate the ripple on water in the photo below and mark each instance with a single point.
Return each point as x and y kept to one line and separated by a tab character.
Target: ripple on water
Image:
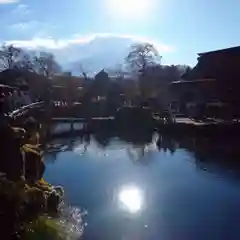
71	221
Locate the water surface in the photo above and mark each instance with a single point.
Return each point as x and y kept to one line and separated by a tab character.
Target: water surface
158	187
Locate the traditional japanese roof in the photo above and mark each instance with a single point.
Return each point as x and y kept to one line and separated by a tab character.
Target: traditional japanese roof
225	50
215	64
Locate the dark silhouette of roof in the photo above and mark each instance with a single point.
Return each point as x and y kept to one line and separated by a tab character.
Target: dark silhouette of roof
224	50
101	74
199	72
217	64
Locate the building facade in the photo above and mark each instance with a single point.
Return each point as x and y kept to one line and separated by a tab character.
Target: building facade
215	78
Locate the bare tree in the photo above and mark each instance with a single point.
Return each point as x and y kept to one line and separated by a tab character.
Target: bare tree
119	72
46	64
141	56
140	59
83	72
116	72
12	57
8	55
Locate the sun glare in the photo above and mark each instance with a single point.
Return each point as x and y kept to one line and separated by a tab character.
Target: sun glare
131	199
130	8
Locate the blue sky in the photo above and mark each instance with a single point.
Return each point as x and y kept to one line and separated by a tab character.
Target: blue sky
180	29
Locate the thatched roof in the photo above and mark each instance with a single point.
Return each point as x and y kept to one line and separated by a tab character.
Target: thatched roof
215	64
231	50
199	72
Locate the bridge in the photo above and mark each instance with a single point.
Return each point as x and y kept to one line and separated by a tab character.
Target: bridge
58	126
42	106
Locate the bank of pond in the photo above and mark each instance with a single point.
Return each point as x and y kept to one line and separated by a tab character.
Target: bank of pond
30	207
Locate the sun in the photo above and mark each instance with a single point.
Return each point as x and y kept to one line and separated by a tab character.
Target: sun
129	8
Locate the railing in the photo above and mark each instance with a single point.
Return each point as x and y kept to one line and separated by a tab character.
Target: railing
25	108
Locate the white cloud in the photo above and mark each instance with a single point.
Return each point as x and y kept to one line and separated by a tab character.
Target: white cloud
36	43
95	51
52	43
8	1
142	39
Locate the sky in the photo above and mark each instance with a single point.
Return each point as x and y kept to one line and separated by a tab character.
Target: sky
179	29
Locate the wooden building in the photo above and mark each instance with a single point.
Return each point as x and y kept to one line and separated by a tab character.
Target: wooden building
215	78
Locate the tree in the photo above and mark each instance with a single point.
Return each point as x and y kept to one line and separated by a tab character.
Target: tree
46	64
141	56
83	72
186	72
116	72
8	56
12	57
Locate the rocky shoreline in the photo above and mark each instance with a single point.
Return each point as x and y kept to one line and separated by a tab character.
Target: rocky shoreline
25	198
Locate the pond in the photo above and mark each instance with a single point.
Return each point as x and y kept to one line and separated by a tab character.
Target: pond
149	186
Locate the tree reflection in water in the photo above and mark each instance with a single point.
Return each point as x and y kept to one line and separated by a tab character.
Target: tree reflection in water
215	154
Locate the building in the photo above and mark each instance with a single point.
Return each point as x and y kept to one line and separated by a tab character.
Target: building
215	78
67	88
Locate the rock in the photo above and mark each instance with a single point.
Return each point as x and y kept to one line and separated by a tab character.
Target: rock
53	202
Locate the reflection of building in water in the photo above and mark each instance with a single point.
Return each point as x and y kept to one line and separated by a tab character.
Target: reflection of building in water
86	141
216	155
166	143
102	139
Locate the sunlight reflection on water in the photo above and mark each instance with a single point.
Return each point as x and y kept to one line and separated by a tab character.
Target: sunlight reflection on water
71	221
131	185
131	199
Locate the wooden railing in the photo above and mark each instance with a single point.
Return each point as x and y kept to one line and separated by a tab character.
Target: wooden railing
26	108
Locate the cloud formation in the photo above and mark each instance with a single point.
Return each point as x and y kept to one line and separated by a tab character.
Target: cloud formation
93	51
8	1
51	43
